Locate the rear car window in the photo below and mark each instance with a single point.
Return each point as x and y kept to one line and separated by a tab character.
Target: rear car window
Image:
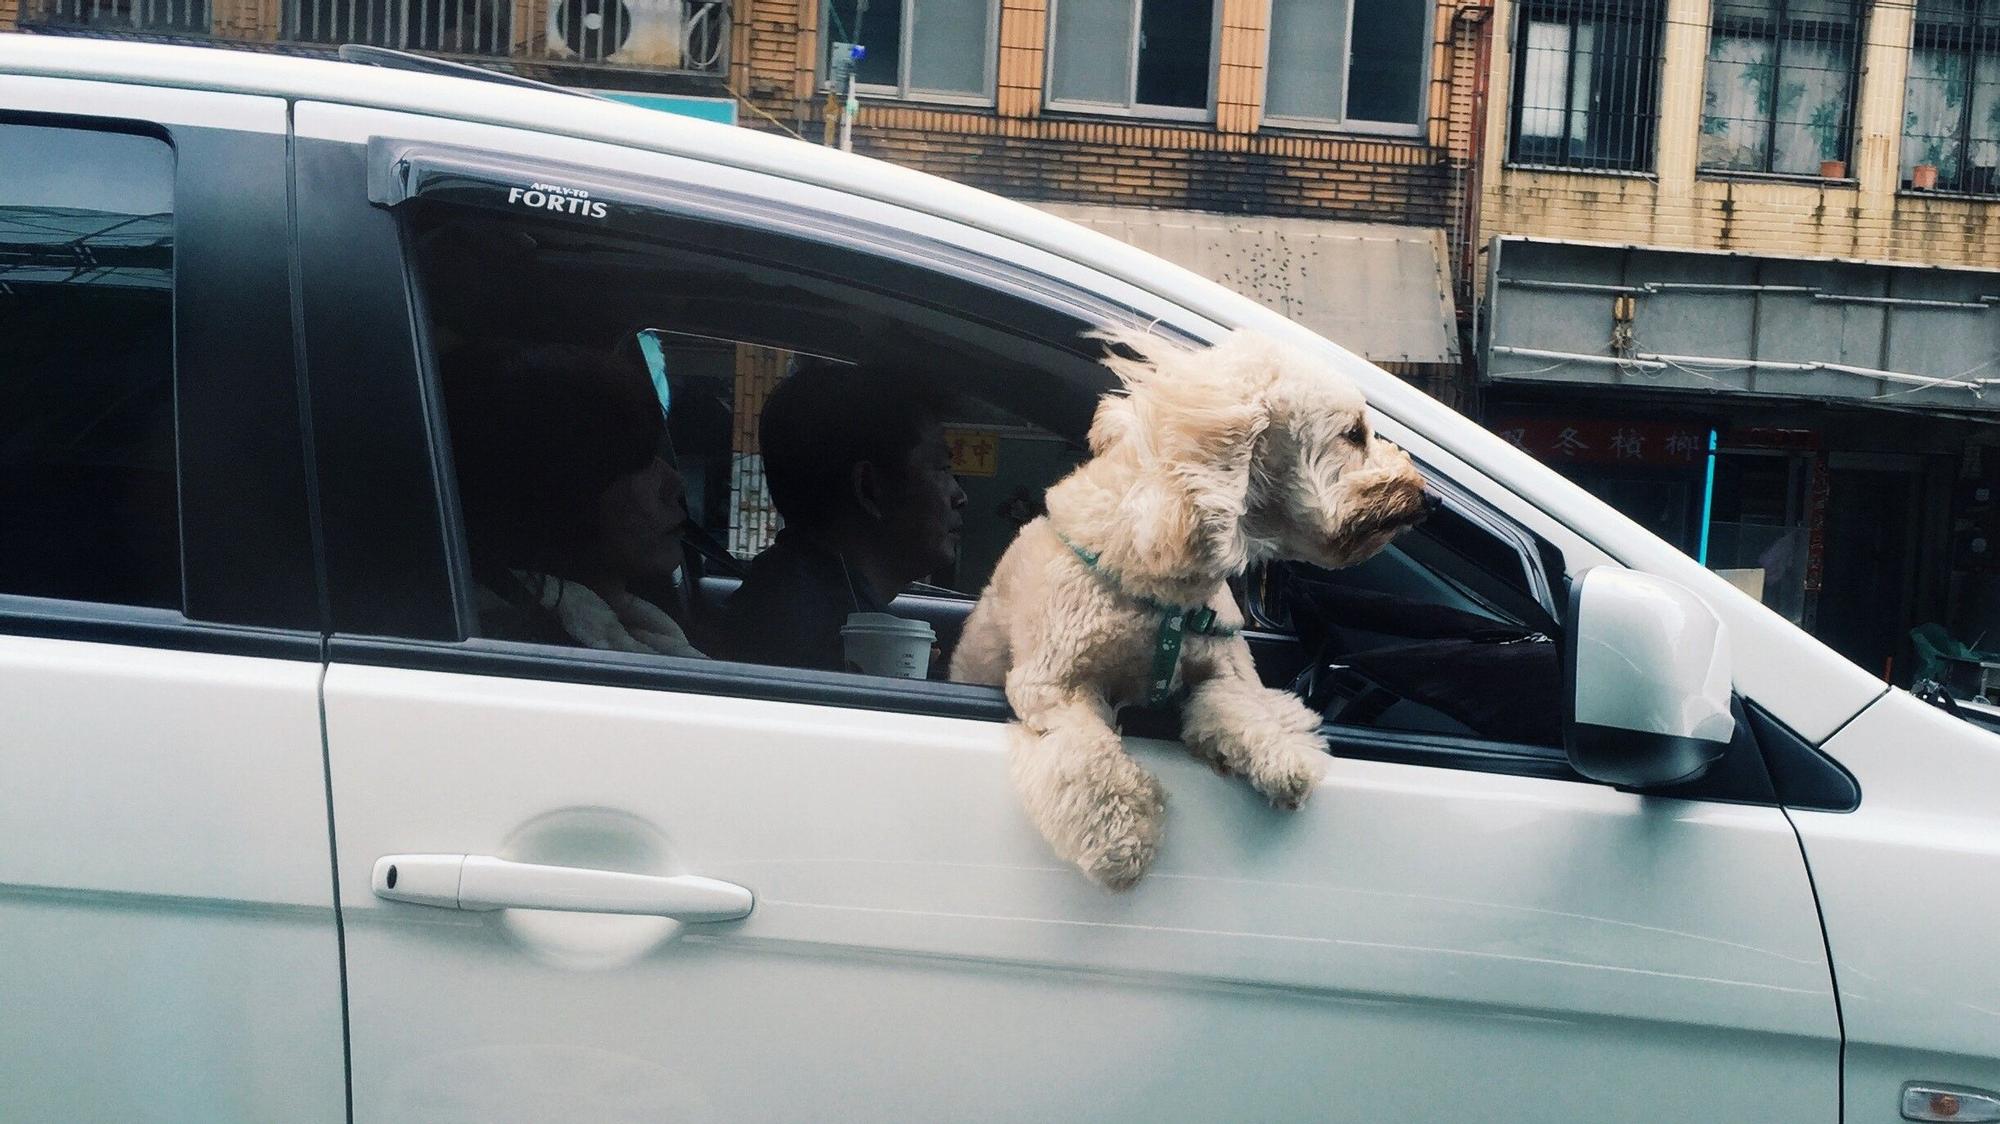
88	504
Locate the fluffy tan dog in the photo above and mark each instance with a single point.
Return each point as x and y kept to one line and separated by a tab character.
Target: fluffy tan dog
1212	459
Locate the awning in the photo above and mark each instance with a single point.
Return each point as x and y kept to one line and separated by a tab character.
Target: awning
1381	291
1648	318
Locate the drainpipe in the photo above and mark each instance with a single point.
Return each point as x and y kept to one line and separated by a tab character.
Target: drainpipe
1479	15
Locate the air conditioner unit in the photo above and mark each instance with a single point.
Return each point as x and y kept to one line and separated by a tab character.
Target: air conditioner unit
628	32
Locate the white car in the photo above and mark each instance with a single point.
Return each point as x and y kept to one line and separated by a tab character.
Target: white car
284	837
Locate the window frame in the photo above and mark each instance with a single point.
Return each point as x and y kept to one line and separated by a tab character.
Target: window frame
1132	107
903	91
1980	33
1574	11
408	417
1353	124
1850	104
246	537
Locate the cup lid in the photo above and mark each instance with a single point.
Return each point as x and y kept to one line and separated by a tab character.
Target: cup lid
887	622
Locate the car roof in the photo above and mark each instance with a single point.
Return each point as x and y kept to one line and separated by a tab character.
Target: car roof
564	114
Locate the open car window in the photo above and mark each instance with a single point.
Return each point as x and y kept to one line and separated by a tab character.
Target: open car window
1450	632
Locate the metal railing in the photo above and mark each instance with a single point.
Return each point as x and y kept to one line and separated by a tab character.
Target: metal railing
1587	85
678	35
176	16
658	34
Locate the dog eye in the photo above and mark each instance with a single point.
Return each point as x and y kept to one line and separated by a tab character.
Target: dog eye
1357	433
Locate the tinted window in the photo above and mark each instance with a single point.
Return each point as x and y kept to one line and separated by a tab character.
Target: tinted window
87	494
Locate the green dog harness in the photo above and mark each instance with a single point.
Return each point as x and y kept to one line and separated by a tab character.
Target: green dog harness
1176	622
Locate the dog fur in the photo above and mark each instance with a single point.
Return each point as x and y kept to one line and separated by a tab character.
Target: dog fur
1212	459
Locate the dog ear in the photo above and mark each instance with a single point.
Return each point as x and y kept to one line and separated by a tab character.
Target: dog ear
1193	424
1113	423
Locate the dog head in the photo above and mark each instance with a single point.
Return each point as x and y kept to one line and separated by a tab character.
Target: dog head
1324	487
1244	450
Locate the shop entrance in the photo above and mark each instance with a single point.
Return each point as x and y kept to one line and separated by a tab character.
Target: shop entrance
1866	601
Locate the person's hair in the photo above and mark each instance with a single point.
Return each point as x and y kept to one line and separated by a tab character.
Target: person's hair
538	435
826	418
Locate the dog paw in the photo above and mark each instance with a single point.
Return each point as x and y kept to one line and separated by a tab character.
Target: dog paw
1124	834
1288	771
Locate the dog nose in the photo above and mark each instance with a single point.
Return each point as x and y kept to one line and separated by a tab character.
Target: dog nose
1432	501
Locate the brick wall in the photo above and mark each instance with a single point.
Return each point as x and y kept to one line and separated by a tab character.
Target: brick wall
1678	206
1018	149
1193	168
10	14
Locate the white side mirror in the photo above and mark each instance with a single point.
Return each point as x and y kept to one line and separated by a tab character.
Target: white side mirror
1650	682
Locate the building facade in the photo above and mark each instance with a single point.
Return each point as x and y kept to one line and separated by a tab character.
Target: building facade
1738	277
1327	131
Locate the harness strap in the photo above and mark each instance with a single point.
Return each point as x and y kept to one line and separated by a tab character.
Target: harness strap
1176	622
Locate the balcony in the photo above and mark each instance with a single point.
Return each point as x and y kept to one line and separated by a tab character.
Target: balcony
682	36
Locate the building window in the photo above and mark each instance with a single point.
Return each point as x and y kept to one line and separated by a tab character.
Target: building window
1339	61
915	48
1781	81
1586	88
1951	106
1155	57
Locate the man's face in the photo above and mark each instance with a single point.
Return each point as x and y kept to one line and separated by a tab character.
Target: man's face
924	508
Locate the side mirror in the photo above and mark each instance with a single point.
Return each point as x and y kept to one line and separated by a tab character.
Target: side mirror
1650	682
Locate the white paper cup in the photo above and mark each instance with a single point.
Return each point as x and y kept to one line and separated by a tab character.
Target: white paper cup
881	644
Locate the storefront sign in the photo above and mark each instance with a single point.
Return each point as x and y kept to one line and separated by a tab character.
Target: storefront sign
1606	440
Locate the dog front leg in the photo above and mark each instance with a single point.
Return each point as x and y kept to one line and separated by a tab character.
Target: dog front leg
1268	736
1095	805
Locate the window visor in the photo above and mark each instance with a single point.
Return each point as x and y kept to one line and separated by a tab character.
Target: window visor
400	172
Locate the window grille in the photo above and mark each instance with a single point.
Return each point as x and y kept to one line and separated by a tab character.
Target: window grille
659	34
1780	86
1951	105
124	15
481	27
1586	89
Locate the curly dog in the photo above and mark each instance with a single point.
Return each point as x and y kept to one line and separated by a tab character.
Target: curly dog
1212	459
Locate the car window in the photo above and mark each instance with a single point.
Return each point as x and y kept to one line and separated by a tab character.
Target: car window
88	506
569	356
667	356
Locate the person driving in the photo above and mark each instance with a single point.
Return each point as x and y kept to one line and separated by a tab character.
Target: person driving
858	468
571	504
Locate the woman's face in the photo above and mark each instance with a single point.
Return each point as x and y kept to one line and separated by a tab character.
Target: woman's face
639	522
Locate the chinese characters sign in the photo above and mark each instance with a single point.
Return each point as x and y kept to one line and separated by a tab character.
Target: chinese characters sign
1606	440
973	452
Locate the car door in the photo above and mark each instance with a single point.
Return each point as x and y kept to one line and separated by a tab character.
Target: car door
167	932
869	928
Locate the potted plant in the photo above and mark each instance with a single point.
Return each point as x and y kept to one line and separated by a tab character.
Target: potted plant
1833	169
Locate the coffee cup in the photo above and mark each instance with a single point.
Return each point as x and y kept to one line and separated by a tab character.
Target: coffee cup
883	644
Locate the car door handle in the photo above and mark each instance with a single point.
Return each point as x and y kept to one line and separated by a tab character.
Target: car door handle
481	882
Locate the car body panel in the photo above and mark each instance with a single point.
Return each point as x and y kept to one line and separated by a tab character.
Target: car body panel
165	911
1907	884
915	952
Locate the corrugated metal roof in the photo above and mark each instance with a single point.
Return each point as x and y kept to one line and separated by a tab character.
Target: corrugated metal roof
1378	290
